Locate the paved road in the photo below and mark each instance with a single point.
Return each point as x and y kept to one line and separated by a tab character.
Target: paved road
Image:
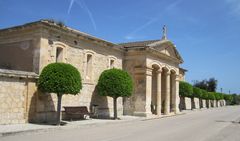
217	124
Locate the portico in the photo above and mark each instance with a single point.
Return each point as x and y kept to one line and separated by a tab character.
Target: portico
154	66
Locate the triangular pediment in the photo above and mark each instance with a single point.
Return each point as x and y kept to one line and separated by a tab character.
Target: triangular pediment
167	48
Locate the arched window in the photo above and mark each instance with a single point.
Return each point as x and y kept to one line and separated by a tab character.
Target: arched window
88	67
59	54
112	61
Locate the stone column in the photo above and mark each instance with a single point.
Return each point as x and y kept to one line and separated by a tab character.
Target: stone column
173	92
158	109
177	98
167	97
148	91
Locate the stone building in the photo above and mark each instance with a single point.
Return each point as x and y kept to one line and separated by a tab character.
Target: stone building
25	50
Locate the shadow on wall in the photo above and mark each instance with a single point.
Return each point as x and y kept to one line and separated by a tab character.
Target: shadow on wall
99	105
42	108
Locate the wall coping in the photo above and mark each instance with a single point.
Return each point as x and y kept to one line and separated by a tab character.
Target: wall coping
18	74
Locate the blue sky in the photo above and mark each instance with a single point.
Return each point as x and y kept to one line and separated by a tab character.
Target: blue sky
206	32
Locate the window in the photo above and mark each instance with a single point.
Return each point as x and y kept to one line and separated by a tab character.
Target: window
89	67
111	64
59	54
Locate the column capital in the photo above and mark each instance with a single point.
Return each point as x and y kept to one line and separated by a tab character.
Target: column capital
159	71
168	73
149	71
177	78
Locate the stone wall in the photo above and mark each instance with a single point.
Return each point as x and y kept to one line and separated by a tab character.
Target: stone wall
185	103
44	40
196	103
203	103
76	52
16	92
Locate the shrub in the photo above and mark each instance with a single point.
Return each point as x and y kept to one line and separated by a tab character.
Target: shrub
115	83
60	78
211	95
204	94
185	89
197	92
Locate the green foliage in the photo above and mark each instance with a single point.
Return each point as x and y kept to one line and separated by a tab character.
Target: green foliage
115	83
60	78
218	96
211	95
208	85
228	97
197	92
235	99
204	94
185	89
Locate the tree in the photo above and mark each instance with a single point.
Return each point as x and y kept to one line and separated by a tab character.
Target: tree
211	96
204	95
197	92
235	99
201	84
115	83
212	85
60	78
208	85
185	89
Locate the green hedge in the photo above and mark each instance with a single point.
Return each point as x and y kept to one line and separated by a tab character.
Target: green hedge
197	92
185	89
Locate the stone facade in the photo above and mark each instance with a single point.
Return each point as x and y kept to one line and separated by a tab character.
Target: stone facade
16	92
153	65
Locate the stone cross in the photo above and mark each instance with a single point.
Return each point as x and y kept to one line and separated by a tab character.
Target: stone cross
164	32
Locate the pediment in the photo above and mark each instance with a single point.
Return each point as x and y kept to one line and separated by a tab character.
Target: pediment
167	48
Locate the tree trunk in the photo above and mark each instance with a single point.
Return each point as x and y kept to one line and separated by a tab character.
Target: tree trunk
115	107
59	96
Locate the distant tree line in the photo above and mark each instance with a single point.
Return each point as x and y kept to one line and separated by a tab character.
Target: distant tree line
206	89
210	85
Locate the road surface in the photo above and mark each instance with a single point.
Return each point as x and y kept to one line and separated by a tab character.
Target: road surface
218	124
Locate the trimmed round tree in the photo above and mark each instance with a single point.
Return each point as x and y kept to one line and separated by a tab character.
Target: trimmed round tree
60	78
115	83
185	89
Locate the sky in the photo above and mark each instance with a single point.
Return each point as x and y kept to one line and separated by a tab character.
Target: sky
205	32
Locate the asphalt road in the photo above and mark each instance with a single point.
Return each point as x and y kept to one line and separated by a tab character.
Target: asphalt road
218	124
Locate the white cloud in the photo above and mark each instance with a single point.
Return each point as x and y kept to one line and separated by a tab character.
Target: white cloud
84	6
70	6
133	35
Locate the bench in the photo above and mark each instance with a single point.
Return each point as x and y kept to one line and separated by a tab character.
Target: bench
77	112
